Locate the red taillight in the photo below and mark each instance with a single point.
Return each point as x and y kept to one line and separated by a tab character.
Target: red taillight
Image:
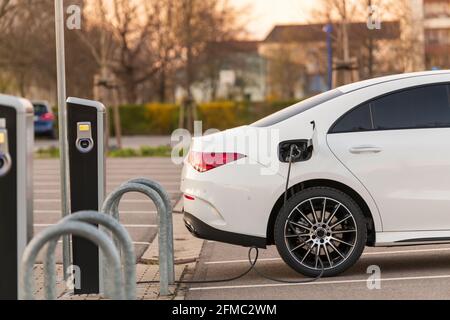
205	161
47	117
188	197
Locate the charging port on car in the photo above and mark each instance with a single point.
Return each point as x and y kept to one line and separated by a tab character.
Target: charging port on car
303	150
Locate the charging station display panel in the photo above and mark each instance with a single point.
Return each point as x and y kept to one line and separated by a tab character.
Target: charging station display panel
86	157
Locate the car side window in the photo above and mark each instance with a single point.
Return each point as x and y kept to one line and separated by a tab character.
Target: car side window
422	107
416	108
358	119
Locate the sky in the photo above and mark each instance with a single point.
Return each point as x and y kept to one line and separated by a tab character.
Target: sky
264	14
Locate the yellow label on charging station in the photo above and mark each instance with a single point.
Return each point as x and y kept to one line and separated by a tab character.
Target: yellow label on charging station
2	138
84	127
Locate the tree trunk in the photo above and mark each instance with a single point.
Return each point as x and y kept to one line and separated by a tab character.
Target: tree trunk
371	49
131	92
162	85
116	115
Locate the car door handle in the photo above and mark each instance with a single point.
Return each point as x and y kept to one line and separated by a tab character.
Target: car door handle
365	149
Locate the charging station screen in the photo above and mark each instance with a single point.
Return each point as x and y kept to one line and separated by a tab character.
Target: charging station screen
84	127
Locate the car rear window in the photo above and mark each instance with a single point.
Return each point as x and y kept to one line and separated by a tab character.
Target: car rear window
40	109
359	119
297	108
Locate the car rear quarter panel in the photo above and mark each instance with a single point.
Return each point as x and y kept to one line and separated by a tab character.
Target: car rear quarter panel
240	196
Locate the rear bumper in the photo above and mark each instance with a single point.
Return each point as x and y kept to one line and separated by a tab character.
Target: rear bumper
203	231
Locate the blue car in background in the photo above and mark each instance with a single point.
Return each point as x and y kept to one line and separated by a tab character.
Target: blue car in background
44	119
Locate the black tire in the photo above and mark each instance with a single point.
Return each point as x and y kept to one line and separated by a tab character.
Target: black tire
290	230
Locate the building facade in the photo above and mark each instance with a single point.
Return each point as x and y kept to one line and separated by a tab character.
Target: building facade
436	15
291	62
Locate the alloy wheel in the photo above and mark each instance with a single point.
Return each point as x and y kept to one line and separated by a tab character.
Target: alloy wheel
320	229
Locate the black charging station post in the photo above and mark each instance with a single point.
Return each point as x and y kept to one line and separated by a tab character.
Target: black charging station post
16	189
86	143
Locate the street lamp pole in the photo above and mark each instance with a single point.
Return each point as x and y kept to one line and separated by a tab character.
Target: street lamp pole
61	84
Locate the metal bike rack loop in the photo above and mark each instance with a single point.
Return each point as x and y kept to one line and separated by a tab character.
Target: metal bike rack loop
168	224
125	243
112	202
80	229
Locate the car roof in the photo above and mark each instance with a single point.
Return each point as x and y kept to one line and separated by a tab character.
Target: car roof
375	81
40	102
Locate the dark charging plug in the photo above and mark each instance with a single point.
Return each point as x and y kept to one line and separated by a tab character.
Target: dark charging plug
299	150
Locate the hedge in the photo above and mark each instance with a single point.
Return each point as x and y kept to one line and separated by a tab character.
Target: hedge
162	119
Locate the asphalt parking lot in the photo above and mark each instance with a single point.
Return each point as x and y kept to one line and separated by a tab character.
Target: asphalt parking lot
138	213
421	272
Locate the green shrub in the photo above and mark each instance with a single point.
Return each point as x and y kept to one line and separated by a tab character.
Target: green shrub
47	153
155	119
133	120
162	151
124	153
162	119
223	115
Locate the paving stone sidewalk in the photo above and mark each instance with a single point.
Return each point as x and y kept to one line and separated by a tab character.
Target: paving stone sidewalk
187	252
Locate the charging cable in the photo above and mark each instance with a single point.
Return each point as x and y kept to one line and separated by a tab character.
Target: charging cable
295	153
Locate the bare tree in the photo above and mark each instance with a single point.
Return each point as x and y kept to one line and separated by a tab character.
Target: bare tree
19	41
102	43
150	47
342	13
410	54
6	6
284	74
367	46
199	23
135	62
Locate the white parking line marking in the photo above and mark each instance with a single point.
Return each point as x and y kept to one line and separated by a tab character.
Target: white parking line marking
137	243
123	201
110	184
117	178
141	243
58	192
121	212
271	285
241	261
405	251
45	225
381	253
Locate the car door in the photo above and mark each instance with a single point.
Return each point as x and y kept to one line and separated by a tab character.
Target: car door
398	146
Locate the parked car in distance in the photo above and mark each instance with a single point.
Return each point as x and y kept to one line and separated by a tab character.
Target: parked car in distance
44	119
373	170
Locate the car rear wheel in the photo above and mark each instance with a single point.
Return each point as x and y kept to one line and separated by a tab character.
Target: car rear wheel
320	225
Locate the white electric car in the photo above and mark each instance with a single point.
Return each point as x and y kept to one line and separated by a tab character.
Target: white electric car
367	164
